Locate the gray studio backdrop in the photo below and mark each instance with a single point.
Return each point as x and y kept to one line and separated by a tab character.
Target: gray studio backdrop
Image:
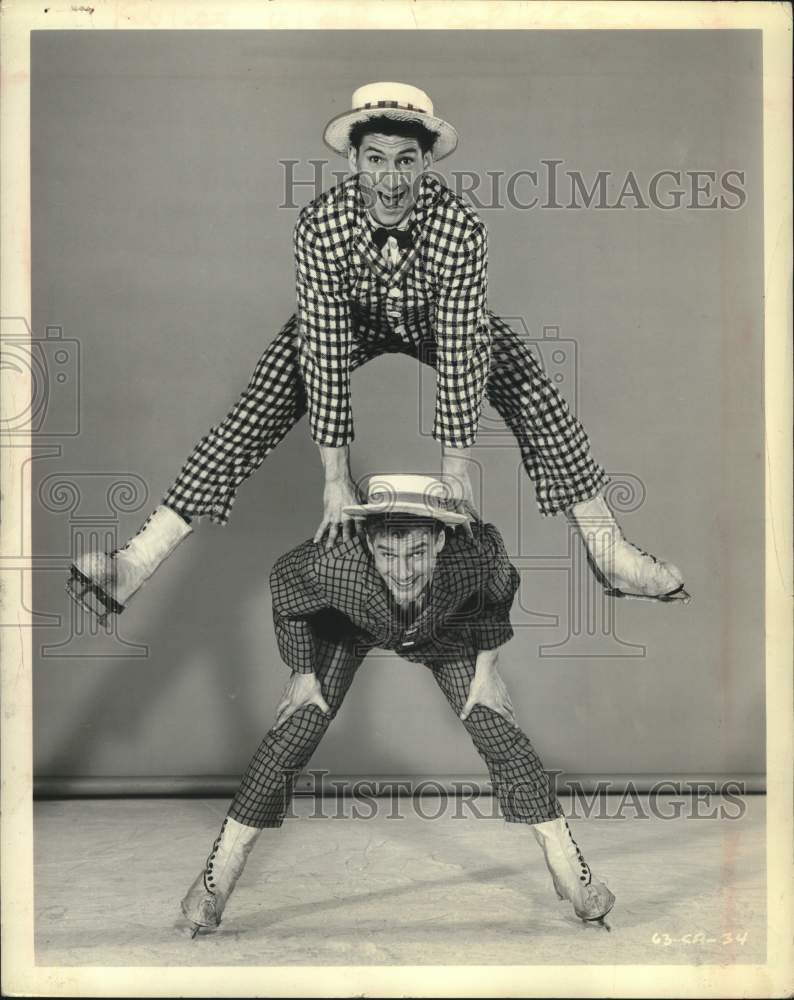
162	262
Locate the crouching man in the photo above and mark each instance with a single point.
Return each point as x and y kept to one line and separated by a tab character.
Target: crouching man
437	597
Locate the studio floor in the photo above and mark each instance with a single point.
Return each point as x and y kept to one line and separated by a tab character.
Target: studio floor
350	888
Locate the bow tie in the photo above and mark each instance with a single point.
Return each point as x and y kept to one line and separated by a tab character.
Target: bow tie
402	236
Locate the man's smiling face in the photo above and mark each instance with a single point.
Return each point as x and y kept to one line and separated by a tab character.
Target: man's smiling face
389	168
406	560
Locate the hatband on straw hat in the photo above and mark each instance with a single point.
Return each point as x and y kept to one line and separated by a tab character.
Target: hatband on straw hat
421	496
399	101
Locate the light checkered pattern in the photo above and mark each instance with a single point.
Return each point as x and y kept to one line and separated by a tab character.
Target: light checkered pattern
354	307
523	788
437	291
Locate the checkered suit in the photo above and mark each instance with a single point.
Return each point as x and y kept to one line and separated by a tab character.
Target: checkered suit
467	607
352	307
331	607
435	296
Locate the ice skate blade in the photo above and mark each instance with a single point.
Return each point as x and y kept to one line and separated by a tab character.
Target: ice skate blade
83	599
91	597
609	903
191	930
599	921
197	929
677	596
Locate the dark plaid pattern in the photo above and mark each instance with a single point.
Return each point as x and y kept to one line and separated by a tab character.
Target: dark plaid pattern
354	307
523	789
266	789
338	593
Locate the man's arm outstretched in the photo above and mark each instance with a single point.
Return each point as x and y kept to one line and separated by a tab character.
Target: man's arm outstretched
324	355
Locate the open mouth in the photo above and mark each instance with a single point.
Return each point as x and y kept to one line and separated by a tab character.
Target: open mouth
392	200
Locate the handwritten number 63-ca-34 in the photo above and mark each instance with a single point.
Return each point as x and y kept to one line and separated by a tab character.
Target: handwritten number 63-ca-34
727	937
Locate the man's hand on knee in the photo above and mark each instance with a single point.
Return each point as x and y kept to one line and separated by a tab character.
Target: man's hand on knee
487	688
301	690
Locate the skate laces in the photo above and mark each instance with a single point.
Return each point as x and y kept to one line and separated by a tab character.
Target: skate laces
209	878
585	875
127	544
642	552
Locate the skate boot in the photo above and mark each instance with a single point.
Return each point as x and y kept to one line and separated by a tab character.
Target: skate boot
104	583
206	898
570	873
623	569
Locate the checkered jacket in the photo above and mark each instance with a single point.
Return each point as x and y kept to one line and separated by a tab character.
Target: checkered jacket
435	299
338	593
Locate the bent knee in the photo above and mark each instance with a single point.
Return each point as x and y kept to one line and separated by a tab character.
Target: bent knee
303	728
494	736
312	717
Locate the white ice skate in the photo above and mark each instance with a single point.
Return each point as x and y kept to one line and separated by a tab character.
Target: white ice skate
623	569
103	583
206	899
570	873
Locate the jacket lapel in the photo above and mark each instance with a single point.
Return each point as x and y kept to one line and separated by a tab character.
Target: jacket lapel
363	251
376	605
426	199
456	578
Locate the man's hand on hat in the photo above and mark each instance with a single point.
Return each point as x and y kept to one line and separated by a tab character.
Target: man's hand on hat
301	690
455	472
337	495
339	492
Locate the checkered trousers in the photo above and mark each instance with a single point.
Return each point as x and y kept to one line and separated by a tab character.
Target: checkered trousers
523	788
554	446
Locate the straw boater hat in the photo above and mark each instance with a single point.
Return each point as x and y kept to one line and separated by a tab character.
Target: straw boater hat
422	496
399	101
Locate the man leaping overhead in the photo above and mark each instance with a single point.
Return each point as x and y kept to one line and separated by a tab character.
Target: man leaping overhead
388	261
